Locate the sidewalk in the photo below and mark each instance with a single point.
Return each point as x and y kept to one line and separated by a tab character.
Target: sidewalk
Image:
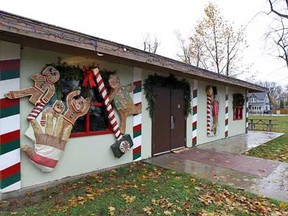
221	162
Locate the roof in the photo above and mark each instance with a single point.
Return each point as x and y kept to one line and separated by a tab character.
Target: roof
260	95
258	103
28	32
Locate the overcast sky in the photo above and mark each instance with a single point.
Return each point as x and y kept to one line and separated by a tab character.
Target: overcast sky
130	21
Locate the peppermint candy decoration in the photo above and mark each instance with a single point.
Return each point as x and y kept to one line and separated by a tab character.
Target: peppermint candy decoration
124	146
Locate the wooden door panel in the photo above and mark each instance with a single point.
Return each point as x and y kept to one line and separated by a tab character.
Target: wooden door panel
178	132
161	121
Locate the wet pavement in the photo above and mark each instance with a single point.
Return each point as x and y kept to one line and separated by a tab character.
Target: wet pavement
221	162
241	143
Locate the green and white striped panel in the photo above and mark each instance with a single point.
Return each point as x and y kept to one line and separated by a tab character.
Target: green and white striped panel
137	119
10	178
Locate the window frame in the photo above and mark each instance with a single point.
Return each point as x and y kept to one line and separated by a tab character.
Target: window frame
87	131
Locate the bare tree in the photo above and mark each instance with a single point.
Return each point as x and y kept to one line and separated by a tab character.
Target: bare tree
214	44
279	7
151	45
185	55
279	27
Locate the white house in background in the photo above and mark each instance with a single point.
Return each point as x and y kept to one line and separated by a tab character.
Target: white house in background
259	103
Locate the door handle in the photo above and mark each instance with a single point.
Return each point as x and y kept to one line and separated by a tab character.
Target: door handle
172	123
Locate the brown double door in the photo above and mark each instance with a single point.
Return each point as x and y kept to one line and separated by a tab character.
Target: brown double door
169	124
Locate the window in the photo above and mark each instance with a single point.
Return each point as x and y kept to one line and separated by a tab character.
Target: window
238	103
95	122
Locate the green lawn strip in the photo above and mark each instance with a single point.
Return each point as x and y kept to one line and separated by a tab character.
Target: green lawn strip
281	123
142	189
276	149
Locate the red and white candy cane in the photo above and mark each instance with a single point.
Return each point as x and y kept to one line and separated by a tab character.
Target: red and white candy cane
36	110
209	112
111	116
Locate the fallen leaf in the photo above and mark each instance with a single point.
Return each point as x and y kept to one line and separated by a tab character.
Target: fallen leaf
283	205
192	180
148	210
167	213
111	210
128	199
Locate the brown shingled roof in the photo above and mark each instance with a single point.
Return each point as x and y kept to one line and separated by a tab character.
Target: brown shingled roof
33	33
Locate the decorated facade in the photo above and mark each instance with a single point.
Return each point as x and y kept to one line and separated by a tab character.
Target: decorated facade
89	104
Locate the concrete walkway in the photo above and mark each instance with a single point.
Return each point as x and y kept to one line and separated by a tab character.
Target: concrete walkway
222	162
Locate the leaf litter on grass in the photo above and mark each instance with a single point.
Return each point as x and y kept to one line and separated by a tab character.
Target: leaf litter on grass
127	192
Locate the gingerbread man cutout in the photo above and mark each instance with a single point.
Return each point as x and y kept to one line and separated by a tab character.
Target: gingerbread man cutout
50	143
122	99
43	88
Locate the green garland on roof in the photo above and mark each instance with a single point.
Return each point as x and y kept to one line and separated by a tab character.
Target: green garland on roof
169	82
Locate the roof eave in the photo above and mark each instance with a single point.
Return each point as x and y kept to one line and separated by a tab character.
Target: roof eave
38	30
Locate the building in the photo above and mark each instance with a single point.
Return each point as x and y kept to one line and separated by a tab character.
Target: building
178	105
259	103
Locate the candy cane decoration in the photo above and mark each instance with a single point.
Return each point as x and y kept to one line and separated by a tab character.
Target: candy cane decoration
209	104
194	110
36	110
137	119
226	111
111	116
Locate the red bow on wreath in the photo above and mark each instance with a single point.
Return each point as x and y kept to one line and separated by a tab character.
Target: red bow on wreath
88	78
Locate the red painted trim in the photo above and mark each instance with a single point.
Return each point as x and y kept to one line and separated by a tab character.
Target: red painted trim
5	102
14	135
87	121
137	128
91	133
9	171
137	150
87	131
136	104
97	104
10	64
194	139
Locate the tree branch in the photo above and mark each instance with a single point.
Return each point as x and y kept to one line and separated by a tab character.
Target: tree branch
276	12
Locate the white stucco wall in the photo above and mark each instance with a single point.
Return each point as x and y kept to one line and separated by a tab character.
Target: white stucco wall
83	154
86	154
9	50
236	127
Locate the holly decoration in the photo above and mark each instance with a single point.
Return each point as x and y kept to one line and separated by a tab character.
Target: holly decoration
169	82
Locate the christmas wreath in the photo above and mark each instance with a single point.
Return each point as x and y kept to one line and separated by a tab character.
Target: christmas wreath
238	100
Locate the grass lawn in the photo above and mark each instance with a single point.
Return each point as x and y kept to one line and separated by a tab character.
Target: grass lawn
281	122
276	149
142	189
